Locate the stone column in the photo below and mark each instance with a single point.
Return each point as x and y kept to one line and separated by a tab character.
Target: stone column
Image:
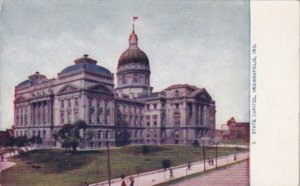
194	112
201	115
94	103
85	108
47	115
17	116
204	115
51	111
32	114
103	111
44	112
37	121
112	113
29	114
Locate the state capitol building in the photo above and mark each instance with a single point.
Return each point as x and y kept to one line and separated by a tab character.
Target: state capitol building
179	114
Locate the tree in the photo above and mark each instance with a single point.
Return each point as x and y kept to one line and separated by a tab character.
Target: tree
166	163
21	141
195	143
70	136
122	137
145	149
35	140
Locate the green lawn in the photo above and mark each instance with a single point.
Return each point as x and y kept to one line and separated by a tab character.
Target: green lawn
59	167
236	142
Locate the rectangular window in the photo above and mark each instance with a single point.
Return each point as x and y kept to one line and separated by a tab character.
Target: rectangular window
90	102
69	102
69	117
62	104
154	106
62	117
76	116
76	102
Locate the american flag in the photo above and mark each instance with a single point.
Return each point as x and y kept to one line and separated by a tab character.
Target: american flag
134	18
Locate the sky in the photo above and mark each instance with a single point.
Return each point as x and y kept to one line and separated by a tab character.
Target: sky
202	43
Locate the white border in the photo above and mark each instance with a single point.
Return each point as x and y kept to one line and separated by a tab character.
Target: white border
274	159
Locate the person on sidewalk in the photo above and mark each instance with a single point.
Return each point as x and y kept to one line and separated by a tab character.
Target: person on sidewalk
123	180
171	174
212	161
2	157
189	165
131	179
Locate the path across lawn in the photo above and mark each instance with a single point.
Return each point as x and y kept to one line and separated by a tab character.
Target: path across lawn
160	176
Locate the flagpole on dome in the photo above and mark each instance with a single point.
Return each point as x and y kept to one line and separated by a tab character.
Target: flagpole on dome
134	18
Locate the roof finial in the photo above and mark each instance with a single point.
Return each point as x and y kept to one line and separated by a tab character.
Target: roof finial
133	19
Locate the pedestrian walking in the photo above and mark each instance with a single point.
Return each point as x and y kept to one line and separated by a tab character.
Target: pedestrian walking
123	183
189	165
131	179
171	174
209	161
212	161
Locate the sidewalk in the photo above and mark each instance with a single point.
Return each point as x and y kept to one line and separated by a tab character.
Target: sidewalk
160	176
5	164
235	175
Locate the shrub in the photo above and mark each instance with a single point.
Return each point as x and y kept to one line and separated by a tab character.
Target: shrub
166	163
145	149
195	143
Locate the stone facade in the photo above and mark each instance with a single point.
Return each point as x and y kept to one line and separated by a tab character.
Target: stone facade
179	114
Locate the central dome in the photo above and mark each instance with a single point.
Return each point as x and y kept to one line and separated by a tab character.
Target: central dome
133	54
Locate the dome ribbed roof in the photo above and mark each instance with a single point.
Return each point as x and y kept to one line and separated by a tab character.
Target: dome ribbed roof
134	55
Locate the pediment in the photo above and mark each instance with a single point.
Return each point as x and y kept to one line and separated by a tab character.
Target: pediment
100	88
203	96
68	89
20	99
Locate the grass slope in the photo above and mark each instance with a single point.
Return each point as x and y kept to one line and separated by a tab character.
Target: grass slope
60	167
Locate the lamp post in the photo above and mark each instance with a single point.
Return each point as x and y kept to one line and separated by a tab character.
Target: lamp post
108	158
203	151
216	154
234	157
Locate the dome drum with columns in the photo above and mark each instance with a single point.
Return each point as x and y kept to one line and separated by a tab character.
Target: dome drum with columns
129	113
133	71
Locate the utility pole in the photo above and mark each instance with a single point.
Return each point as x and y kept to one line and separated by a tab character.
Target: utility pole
216	154
108	159
203	151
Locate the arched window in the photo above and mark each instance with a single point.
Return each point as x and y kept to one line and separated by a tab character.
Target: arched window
135	79
44	134
123	80
176	93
